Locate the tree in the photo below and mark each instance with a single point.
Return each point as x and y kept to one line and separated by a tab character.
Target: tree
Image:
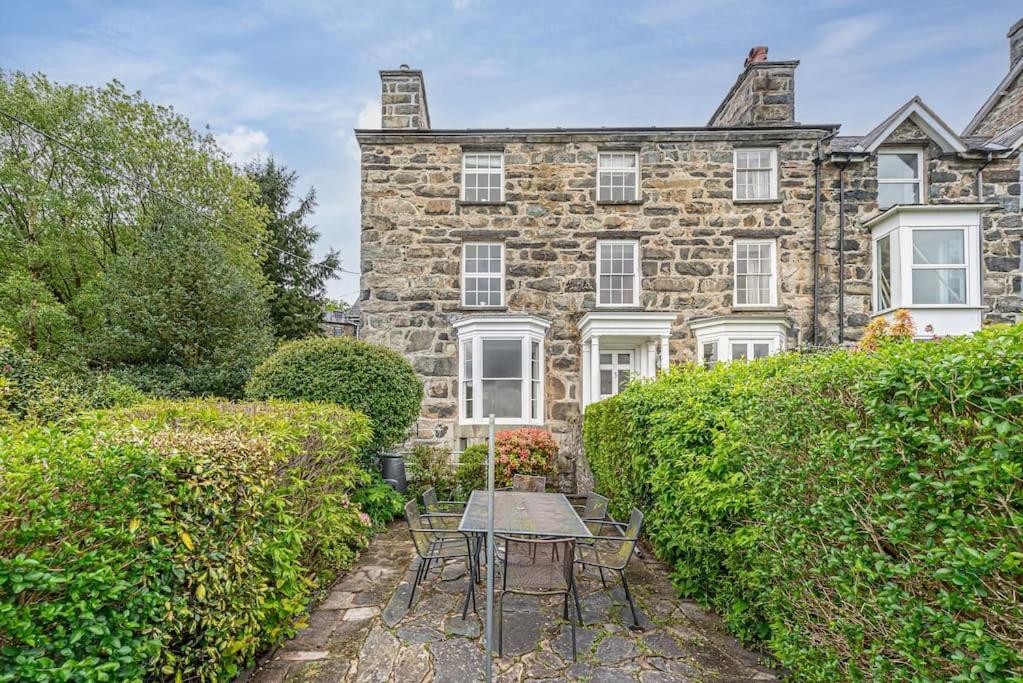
299	284
338	305
181	318
65	219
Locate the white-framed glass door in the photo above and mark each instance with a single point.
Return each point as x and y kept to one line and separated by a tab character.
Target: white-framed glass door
616	368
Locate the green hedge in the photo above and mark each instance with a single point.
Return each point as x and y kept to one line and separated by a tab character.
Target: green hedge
365	377
171	540
858	513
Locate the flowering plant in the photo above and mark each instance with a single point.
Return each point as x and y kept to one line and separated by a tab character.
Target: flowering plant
524	451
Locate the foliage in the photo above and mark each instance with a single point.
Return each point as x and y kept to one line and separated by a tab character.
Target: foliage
34	390
298	283
377	499
181	318
857	512
365	377
524	451
516	451
338	305
430	467
64	220
901	327
171	540
471	474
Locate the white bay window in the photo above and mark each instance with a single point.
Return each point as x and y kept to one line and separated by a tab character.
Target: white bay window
926	259
740	337
501	368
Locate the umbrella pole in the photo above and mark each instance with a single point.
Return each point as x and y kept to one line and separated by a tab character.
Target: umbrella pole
490	553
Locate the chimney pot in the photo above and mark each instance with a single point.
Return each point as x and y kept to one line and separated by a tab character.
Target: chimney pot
756	55
1015	37
404	67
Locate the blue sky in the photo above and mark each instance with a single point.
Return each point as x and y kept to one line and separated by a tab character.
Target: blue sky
294	77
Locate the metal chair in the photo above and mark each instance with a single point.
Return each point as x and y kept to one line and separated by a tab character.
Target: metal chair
437	544
613	552
593	510
529	483
543	579
446	514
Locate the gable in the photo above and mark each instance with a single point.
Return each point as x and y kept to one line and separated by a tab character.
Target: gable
912	122
906	132
1003	108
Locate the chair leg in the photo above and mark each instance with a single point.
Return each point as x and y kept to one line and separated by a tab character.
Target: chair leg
564	607
628	596
500	625
602	579
578	610
415	582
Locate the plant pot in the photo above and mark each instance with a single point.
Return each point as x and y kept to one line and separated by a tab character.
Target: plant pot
392	467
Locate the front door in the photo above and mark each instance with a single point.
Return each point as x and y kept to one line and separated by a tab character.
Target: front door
615	371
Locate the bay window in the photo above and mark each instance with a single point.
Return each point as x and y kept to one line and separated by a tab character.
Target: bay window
739	337
501	369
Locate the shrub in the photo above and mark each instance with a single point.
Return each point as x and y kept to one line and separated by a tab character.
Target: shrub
516	451
856	512
429	466
171	540
377	499
365	377
471	474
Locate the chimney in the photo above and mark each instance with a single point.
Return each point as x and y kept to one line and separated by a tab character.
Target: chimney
1015	37
403	99
763	95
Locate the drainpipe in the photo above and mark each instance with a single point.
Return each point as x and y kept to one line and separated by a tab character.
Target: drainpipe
980	231
841	251
818	165
980	178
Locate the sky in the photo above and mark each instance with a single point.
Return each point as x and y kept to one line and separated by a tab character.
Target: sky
293	78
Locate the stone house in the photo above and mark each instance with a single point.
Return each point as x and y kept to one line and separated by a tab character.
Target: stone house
530	272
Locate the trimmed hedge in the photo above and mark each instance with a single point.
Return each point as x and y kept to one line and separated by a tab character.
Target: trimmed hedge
369	378
171	540
858	513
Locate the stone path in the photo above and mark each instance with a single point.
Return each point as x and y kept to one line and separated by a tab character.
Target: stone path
363	631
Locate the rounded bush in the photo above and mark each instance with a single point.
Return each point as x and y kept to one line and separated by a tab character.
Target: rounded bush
366	377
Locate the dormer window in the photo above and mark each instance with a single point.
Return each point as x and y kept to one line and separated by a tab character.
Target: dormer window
899	177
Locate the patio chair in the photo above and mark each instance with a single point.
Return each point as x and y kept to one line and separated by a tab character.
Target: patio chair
529	483
544	579
613	552
593	510
446	514
436	544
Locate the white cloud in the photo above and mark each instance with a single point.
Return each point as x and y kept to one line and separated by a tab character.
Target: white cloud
369	115
462	4
244	143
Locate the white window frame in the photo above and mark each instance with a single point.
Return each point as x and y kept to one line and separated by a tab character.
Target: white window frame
964	266
773	168
500	174
527	330
614	367
723	331
635	272
772	287
748	342
902	181
465	274
608	154
893	270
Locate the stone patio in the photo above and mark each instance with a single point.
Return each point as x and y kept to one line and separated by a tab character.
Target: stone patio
363	631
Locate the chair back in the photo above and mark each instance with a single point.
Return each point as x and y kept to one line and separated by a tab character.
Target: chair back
628	545
430	499
529	483
532	574
595	507
420	539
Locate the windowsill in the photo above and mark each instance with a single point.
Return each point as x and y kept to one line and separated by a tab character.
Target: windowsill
929	307
501	421
759	309
462	202
773	200
482	309
619	202
619	307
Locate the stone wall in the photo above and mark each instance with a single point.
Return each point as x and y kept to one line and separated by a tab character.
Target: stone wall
403	100
1007	112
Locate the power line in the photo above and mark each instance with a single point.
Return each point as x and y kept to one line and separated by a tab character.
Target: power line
146	186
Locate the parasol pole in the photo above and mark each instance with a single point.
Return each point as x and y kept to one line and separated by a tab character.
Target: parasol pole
490	553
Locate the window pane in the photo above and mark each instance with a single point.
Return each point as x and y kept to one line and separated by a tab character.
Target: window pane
710	354
739	351
605	359
939	286
534	364
898	166
467	387
938	246
890	194
625	358
502	397
761	350
502	358
605	383
623	379
884	272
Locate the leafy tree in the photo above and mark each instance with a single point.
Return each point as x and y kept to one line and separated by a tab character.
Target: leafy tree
181	317
299	284
64	219
338	305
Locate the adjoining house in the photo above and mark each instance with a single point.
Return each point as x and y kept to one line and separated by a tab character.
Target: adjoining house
340	323
530	272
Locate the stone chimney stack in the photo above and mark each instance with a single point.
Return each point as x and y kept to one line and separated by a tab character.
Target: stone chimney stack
763	95
1015	36
403	99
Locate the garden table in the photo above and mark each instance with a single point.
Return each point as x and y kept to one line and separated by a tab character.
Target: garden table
522	513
